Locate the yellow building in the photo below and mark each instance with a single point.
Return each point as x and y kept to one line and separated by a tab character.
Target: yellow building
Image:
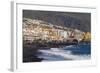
87	36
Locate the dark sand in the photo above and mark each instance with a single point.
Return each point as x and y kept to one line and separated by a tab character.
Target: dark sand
29	54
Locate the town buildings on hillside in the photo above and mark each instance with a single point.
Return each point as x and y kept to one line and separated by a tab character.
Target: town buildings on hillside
39	30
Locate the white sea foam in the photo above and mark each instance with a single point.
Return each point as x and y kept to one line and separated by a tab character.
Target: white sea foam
70	46
54	49
61	55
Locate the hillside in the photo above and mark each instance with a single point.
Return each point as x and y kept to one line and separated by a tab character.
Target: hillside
80	21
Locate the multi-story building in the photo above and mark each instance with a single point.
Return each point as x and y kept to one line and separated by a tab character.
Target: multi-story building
39	30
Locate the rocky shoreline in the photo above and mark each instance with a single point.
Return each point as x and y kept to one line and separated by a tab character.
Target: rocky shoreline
30	51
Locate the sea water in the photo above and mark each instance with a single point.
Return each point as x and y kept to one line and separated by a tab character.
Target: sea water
71	52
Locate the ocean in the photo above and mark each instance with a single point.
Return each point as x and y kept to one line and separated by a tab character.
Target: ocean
69	52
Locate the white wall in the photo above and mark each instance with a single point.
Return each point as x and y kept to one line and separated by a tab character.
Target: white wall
5	34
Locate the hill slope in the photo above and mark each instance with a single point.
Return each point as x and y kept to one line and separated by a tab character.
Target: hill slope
80	21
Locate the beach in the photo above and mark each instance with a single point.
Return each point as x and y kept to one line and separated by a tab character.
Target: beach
32	53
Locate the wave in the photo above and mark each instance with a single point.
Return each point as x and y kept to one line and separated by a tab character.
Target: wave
60	54
70	46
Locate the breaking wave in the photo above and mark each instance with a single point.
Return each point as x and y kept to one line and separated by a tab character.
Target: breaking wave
66	53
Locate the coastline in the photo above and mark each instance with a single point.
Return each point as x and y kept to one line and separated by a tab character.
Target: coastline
30	51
